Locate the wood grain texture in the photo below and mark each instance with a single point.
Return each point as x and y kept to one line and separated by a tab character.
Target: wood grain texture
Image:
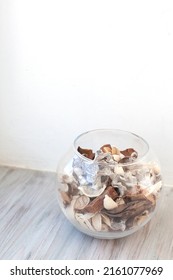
33	227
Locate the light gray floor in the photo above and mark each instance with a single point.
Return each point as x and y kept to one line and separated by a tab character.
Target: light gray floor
33	227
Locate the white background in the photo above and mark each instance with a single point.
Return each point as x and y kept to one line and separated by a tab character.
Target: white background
71	66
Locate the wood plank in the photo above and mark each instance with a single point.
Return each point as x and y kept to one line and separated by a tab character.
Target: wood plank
33	227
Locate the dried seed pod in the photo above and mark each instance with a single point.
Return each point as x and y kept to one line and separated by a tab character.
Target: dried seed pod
109	203
97	222
81	202
88	153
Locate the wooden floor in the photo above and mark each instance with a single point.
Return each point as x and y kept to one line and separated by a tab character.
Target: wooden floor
32	226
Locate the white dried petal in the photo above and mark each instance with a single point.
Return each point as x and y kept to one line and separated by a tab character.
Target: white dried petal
84	221
109	203
106	220
154	188
116	157
81	221
97	222
119	170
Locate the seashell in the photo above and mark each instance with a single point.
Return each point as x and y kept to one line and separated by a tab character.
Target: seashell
92	191
81	202
109	203
97	222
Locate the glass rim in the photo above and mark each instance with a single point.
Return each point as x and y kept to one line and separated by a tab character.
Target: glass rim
90	161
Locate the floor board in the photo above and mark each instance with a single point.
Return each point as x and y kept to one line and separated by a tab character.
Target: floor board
33	227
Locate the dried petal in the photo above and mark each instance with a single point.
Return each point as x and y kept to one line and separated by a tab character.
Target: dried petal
106	148
130	153
115	151
97	222
88	153
116	157
106	219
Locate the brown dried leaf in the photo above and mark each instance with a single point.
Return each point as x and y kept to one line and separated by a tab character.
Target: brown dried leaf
65	197
130	152
88	153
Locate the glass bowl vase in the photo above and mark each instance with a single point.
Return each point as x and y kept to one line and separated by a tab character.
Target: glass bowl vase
109	183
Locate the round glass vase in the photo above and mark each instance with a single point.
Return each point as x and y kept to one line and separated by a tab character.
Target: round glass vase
109	183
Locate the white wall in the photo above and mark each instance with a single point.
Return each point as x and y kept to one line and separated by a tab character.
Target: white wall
71	66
